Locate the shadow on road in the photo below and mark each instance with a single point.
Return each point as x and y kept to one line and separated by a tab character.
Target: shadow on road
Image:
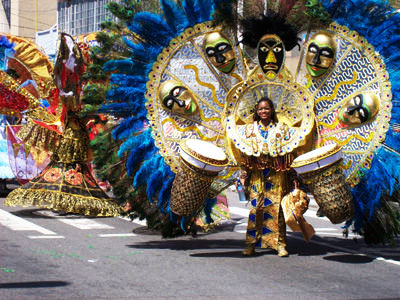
32	284
190	244
349	258
43	213
330	248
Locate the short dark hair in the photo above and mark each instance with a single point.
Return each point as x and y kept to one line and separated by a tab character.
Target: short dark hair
257	118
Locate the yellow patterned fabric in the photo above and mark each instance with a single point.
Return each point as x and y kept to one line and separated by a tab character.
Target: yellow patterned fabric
266	226
67	183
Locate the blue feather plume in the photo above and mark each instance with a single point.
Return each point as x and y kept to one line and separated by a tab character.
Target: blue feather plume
208	206
174	15
128	80
127	127
206	9
141	141
144	24
192	11
146	169
164	196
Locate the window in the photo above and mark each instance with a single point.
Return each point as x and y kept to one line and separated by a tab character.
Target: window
77	17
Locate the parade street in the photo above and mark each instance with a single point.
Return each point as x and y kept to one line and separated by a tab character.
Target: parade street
45	255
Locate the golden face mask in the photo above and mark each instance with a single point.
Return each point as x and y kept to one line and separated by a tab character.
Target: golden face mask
177	98
320	53
359	109
220	52
271	55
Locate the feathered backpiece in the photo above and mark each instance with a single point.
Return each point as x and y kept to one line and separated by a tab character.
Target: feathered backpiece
178	51
377	195
127	98
374	27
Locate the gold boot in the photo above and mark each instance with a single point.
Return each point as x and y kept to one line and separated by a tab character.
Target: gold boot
282	252
249	251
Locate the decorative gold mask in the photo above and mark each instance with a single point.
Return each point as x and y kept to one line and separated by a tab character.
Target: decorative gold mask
177	98
320	53
219	51
359	109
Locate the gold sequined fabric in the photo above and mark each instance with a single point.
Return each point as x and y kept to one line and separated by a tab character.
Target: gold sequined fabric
66	187
279	163
74	145
67	184
39	137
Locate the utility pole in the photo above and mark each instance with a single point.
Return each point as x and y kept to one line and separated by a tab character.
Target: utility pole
36	17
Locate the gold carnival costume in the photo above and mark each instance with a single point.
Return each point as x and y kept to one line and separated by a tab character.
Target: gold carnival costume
268	184
66	184
266	153
195	82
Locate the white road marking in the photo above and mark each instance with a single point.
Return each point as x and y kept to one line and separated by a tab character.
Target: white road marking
116	234
136	221
335	234
19	224
45	236
77	221
244	212
312	214
325	229
84	224
140	222
241	224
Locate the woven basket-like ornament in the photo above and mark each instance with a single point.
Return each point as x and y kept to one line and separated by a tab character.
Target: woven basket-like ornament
200	163
189	190
321	170
331	192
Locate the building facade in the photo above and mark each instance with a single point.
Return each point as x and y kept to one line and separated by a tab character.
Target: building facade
25	17
77	17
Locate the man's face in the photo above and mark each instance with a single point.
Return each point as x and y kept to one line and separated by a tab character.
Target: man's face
359	109
177	98
271	55
220	52
320	54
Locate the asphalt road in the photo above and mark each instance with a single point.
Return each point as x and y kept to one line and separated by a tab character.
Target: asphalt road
47	256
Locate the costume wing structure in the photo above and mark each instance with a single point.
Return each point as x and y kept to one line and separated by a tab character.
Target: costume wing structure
5	167
356	106
170	90
31	66
26	90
